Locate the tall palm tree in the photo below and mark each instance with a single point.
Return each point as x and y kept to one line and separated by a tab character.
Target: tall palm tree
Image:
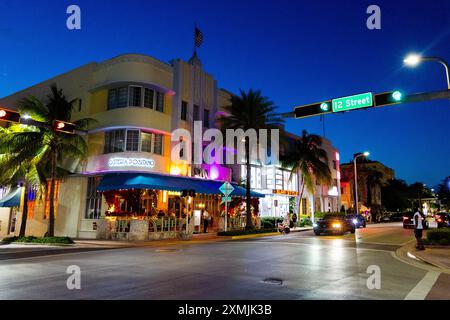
250	110
307	157
18	168
46	148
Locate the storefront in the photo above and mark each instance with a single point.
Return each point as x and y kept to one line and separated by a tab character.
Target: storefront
165	199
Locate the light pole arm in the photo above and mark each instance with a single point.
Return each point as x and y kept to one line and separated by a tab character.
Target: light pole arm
444	63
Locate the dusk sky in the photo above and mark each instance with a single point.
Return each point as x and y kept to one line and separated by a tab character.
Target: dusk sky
296	52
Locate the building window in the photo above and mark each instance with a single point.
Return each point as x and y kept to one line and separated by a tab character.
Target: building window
114	141
146	142
196	113
160	102
206	118
184	108
132	140
135	99
335	165
148	98
158	144
117	98
93	199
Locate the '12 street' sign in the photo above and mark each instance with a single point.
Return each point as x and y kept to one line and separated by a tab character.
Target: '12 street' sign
358	101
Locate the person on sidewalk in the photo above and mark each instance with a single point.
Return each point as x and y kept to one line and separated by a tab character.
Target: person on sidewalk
418	229
206	219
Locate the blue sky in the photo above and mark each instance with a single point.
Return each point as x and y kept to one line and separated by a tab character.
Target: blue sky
296	52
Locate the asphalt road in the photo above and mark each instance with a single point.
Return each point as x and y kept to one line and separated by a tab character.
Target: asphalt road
296	266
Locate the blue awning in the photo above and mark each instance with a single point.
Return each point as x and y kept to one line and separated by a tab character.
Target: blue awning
12	199
126	181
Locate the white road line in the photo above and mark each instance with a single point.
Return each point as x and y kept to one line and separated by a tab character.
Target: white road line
425	285
314	244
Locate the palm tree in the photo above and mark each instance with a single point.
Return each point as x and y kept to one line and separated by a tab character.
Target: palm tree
46	148
250	110
307	157
19	166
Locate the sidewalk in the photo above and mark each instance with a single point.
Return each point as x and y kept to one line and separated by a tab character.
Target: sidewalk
436	258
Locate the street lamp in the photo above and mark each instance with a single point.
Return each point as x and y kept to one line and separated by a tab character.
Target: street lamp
413	60
365	154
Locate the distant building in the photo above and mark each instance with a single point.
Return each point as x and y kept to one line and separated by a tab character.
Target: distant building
371	176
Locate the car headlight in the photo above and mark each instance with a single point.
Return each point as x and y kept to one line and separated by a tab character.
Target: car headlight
355	221
336	225
315	225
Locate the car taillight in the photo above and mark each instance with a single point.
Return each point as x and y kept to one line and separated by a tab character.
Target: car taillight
405	218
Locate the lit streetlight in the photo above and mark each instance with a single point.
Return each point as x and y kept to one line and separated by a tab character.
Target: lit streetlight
413	60
365	154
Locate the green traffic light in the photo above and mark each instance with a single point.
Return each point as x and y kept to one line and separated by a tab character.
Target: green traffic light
325	106
397	95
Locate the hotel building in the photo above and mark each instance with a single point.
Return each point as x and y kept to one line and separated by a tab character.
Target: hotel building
137	101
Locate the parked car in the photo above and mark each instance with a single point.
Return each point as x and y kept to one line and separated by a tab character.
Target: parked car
442	219
408	221
396	217
358	220
334	224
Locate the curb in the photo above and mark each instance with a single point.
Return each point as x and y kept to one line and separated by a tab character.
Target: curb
249	236
407	255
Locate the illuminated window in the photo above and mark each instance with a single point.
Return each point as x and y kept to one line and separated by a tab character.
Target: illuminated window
93	199
55	200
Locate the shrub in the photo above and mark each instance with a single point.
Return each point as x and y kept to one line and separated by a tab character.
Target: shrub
439	236
305	222
246	232
270	222
44	240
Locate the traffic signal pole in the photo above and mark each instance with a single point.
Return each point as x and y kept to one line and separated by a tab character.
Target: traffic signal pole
411	98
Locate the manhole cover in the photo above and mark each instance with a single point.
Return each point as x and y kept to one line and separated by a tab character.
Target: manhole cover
168	250
273	281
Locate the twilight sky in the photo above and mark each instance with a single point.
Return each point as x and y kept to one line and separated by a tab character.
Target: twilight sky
296	52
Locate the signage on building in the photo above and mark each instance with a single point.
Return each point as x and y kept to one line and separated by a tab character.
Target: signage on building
200	173
285	192
131	162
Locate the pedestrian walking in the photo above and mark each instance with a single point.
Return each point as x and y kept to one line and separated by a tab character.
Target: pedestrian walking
418	219
206	220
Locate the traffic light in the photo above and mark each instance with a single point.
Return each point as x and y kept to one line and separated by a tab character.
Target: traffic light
313	109
65	127
9	116
389	98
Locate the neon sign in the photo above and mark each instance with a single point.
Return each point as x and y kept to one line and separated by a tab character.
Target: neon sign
131	162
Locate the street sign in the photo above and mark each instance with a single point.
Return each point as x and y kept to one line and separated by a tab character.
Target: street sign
363	100
226	199
226	188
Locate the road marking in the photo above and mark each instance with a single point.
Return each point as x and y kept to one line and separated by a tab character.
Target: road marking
314	244
424	287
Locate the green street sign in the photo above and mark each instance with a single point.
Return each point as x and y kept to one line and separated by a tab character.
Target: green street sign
226	199
226	188
358	101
